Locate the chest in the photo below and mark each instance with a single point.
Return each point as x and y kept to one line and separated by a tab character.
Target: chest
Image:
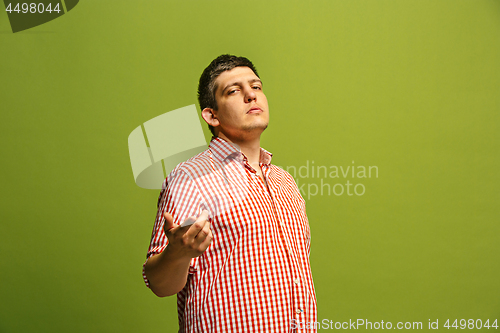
246	203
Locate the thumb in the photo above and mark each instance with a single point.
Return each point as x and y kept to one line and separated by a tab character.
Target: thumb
169	221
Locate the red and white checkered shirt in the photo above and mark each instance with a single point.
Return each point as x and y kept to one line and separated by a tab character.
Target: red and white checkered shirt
255	276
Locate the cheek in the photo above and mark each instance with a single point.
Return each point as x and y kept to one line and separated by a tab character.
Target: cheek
263	99
227	117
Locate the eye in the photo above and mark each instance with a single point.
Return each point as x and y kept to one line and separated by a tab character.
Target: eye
257	87
232	91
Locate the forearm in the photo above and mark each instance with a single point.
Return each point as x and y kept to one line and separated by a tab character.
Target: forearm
167	273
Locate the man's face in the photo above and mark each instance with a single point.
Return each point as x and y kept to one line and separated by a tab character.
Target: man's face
242	112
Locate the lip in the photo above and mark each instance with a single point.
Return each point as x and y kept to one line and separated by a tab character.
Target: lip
255	109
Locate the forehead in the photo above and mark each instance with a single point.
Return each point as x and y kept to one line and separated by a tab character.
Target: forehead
234	76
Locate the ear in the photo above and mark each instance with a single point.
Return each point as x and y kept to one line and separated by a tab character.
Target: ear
210	116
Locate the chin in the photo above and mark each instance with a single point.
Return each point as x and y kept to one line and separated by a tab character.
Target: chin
254	127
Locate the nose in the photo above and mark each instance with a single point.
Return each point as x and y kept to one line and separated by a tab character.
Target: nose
250	95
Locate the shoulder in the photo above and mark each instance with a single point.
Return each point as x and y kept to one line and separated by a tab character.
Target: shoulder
287	183
182	178
196	164
285	179
190	169
281	173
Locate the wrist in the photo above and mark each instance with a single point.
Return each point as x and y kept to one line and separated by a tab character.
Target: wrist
173	255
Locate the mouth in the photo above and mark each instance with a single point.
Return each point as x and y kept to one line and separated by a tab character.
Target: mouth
255	109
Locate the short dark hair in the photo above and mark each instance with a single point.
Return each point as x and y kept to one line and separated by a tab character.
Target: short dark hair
207	86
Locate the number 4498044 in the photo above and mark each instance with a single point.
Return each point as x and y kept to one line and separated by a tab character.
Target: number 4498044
33	8
470	324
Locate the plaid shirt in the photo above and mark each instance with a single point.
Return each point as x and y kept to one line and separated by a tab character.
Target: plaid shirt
255	276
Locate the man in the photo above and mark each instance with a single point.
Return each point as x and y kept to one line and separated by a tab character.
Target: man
243	265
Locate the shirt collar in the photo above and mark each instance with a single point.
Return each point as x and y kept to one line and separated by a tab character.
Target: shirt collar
223	149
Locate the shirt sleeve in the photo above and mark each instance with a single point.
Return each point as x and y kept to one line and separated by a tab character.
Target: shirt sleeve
181	198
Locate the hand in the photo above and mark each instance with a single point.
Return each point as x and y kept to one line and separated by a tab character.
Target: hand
189	241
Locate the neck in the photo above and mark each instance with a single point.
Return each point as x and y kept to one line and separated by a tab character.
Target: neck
251	148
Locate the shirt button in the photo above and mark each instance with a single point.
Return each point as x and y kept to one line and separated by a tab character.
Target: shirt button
296	281
298	311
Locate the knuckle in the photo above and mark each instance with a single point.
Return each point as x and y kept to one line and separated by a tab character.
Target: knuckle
184	241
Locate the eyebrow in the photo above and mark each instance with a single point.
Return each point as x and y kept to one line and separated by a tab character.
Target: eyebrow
237	83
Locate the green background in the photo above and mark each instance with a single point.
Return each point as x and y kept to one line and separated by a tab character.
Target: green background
409	86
